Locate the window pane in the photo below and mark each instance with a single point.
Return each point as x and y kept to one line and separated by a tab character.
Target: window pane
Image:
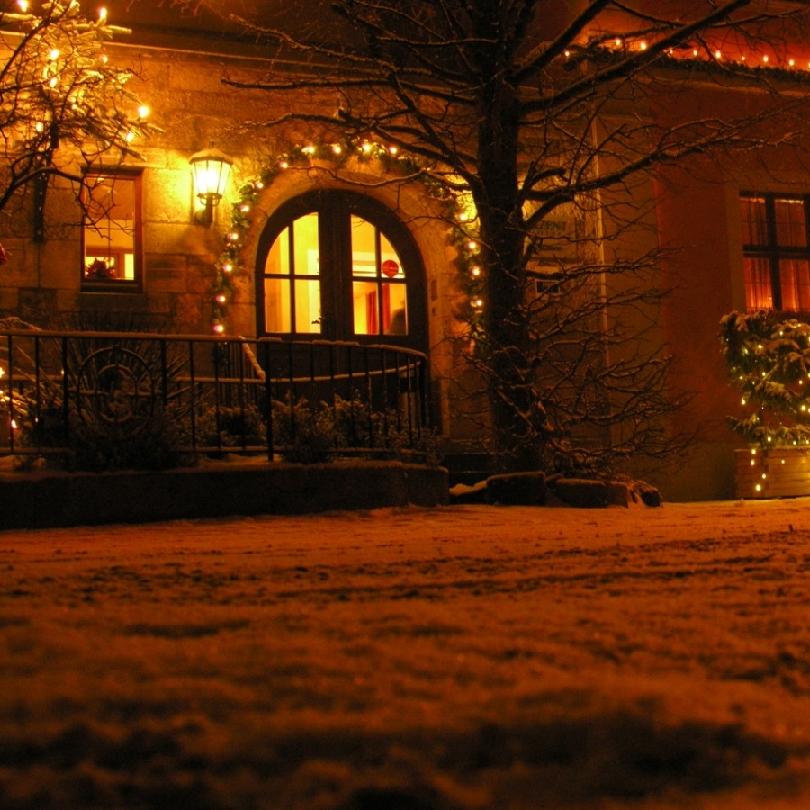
790	223
306	255
364	295
364	253
395	309
278	259
754	223
794	281
758	293
389	260
110	227
307	307
277	307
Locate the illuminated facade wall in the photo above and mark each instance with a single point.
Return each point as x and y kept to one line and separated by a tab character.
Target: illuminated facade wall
167	272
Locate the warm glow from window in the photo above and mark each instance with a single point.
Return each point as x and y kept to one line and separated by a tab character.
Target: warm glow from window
112	222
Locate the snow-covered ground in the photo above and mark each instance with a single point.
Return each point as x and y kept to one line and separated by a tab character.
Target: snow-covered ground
463	657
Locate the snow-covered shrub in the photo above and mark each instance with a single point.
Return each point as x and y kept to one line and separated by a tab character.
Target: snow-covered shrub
768	357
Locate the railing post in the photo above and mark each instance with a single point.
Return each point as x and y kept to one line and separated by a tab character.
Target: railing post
369	398
193	389
11	410
217	416
65	388
268	402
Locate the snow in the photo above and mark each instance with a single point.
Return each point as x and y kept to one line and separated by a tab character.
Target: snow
465	657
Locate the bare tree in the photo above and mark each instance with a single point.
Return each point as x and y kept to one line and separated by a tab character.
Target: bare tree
63	104
539	110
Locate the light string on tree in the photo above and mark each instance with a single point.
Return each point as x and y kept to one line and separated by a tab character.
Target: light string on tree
457	208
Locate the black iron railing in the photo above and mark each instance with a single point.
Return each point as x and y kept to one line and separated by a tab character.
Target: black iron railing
209	395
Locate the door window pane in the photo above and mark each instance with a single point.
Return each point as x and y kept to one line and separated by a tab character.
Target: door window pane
292	288
278	259
277	307
306	250
380	306
389	260
307	307
366	308
395	309
364	250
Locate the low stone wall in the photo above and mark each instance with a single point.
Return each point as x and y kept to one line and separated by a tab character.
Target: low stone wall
49	499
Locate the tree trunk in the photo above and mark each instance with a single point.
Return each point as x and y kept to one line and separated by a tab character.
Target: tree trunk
502	244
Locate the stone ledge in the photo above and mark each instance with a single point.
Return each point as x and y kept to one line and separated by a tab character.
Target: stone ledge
50	499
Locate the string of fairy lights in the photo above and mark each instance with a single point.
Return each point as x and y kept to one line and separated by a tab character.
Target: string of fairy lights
457	210
730	53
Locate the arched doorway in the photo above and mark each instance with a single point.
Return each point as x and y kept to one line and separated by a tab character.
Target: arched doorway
338	265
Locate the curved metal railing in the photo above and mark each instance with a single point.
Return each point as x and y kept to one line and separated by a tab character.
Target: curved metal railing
200	394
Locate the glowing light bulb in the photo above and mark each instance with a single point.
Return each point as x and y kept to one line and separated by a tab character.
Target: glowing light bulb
218	328
144	111
718	54
765	58
618	42
337	148
366	148
227	267
102	13
54	54
393	151
22	5
566	53
643	45
221	298
284	165
244	208
475	271
129	137
791	63
757	487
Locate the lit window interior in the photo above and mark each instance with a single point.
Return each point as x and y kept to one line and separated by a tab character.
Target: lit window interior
292	291
109	228
378	283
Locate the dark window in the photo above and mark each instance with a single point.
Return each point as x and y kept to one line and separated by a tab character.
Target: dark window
776	251
111	232
339	265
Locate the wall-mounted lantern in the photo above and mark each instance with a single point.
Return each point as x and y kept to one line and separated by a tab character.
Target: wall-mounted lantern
211	169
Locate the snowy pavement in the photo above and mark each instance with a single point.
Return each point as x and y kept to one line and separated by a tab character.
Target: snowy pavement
456	658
